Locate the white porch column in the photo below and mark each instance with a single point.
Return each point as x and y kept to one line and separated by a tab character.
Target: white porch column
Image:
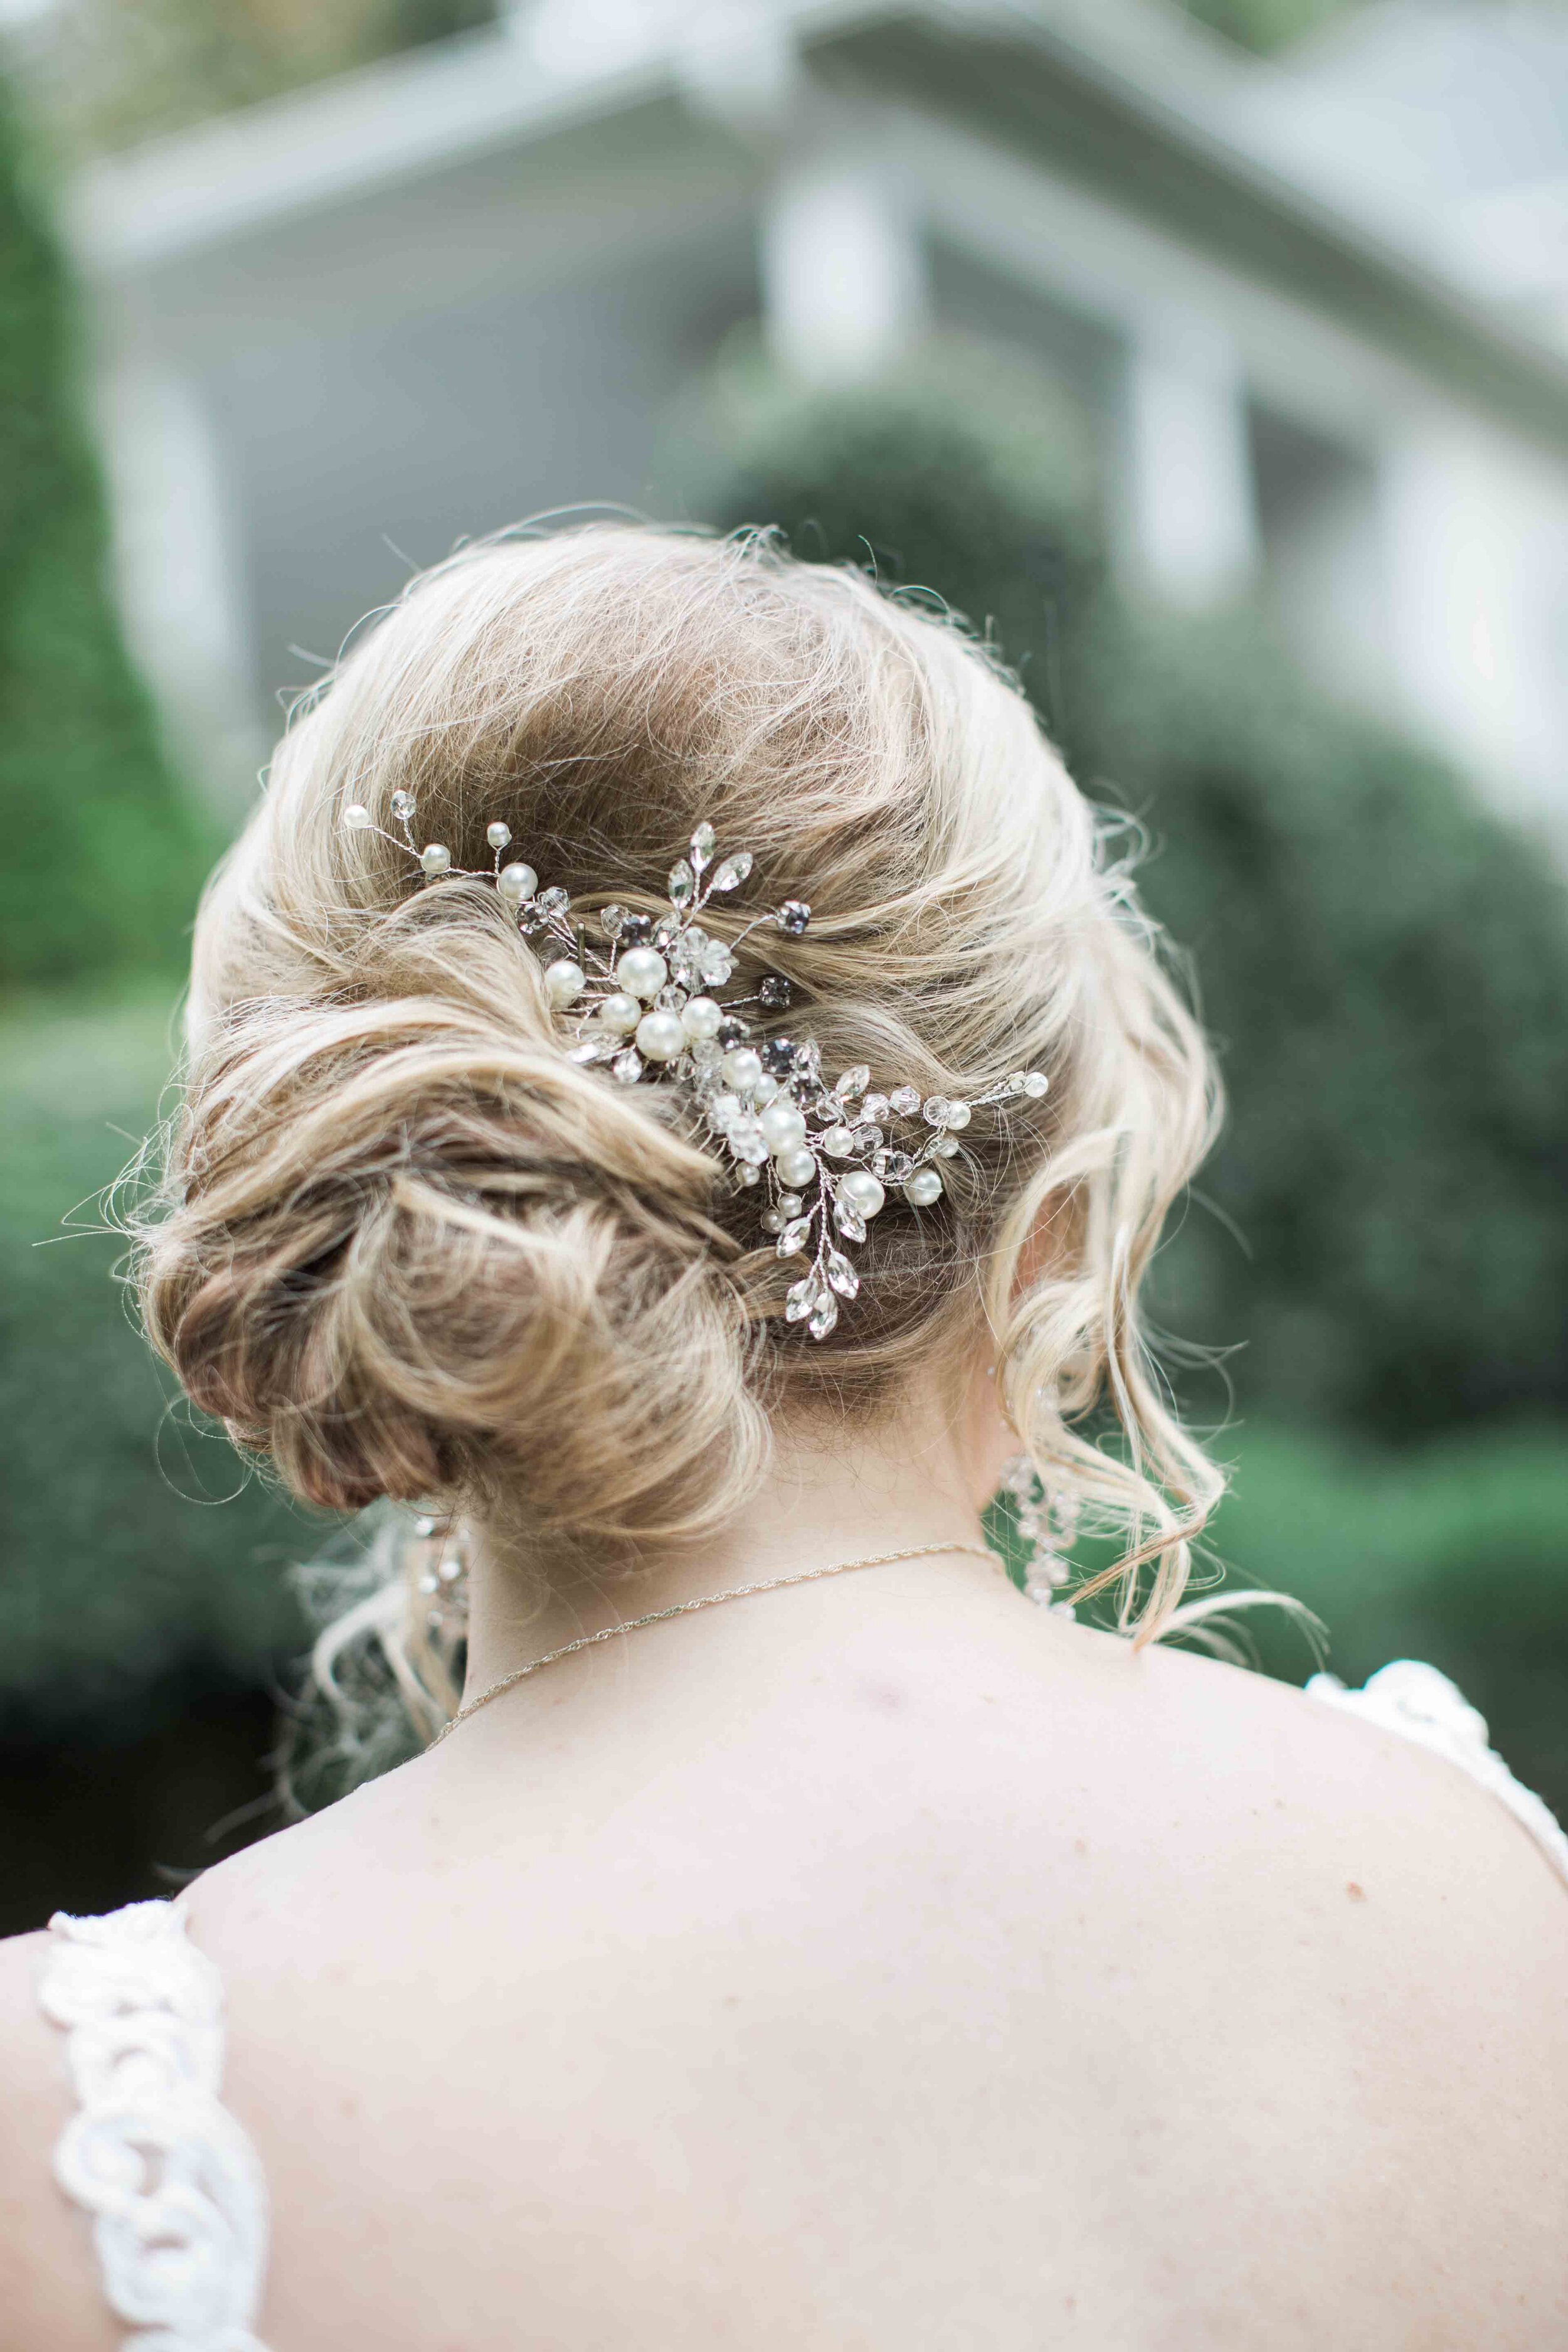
843	271
1188	521
1477	539
179	571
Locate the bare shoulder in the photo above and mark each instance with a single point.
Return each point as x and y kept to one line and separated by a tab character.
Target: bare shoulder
1380	1887
1280	1772
48	2297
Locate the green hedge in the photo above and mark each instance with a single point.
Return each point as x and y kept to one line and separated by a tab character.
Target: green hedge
104	857
1383	964
140	1561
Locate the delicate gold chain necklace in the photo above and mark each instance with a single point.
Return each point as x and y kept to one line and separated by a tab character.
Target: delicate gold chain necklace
705	1601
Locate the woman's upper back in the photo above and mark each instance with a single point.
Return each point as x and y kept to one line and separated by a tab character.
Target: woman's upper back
1050	1990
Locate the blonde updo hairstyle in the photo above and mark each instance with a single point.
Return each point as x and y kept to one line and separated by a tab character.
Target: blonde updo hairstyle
406	1249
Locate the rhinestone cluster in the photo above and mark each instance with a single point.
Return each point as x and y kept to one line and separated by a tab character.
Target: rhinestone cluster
440	1571
645	1005
1048	1528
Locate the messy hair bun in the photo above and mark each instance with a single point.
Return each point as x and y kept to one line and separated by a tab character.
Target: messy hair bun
407	1249
419	1237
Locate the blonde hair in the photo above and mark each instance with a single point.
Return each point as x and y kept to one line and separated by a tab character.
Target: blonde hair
406	1249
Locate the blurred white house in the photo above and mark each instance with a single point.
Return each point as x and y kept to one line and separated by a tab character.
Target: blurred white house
1321	314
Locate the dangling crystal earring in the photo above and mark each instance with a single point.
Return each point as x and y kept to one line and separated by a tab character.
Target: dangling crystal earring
441	1576
1046	1526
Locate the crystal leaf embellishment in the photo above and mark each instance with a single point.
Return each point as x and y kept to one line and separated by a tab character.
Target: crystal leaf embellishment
732	872
852	1082
848	1219
682	883
842	1275
628	1067
795	1236
702	842
823	1315
801	1299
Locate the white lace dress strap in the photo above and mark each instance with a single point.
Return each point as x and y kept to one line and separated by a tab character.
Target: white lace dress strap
175	2187
1425	1706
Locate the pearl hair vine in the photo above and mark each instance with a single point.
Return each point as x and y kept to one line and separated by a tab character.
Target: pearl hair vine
644	1006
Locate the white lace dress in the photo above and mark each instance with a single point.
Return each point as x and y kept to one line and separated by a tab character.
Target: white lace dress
176	2191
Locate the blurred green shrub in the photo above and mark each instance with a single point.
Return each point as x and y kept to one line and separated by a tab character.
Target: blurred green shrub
140	1564
116	74
1385	964
1266	25
104	857
1456	1552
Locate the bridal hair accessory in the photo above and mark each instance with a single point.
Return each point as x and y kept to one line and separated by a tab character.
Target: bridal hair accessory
643	1006
706	1601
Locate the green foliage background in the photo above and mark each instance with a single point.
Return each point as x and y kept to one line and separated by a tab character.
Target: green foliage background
116	1593
141	1562
1267	25
104	854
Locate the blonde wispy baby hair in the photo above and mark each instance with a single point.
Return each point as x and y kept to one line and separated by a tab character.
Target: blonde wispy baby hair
406	1247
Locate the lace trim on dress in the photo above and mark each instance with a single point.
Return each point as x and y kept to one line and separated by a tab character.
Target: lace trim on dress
176	2193
1425	1706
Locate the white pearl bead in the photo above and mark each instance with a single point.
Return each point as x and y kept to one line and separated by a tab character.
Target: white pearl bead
497	835
958	1115
743	1067
517	883
922	1188
795	1167
642	972
861	1188
700	1016
764	1090
839	1143
783	1126
620	1012
660	1037
357	817
435	858
564	981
